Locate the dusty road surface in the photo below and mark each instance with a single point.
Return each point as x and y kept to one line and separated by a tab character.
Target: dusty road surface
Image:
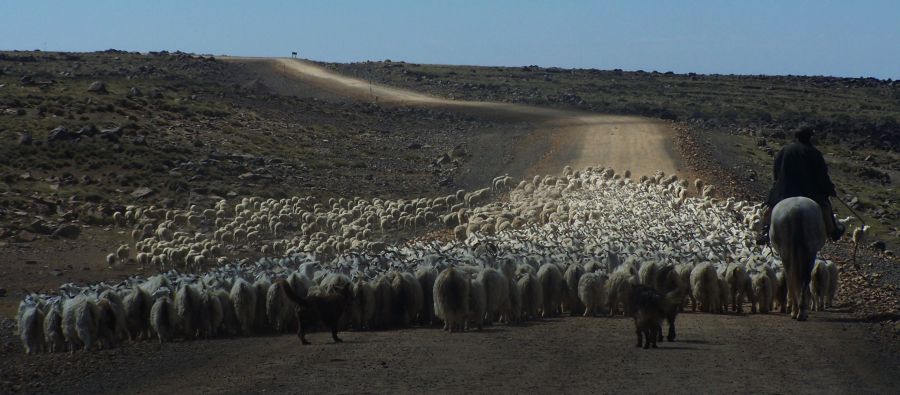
555	138
713	354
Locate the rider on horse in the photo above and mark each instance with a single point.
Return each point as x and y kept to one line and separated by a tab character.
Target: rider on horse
800	170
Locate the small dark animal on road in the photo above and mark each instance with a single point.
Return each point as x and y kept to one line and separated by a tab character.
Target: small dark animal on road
648	307
321	305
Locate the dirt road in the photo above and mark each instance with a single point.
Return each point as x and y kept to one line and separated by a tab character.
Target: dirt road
714	354
553	139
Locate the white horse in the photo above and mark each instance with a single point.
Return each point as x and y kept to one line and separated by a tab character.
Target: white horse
798	233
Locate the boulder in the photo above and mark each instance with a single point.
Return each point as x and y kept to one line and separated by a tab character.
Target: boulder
61	133
25	138
69	231
141	192
40	228
97	87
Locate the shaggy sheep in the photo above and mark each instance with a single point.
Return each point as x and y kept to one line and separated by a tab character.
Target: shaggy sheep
451	299
832	283
260	320
80	322
31	326
737	284
243	298
618	288
819	284
571	278
188	310
763	290
53	336
426	275
496	289
532	294
362	311
477	303
705	288
552	287
279	307
163	317
137	304
780	291
592	293
384	301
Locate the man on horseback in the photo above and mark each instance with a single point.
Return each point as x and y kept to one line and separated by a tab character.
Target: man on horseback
800	170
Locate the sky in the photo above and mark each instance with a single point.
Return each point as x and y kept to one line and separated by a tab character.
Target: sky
840	38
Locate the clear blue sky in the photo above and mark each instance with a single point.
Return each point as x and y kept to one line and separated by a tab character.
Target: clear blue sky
843	38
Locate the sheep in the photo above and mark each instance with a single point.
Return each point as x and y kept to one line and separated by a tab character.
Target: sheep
53	335
31	326
571	278
724	292
532	294
477	303
80	322
229	324
737	284
451	299
261	322
384	301
762	288
137	304
362	311
832	283
618	287
514	313
214	313
279	308
243	298
408	298
188	310
819	284
684	272
118	326
592	293
705	288
496	289
552	287
780	294
426	275
163	316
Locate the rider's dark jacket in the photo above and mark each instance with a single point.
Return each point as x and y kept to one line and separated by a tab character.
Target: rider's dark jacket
800	170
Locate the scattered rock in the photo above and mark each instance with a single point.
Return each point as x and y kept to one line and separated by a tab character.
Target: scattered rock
111	134
2	292
134	91
87	130
779	135
141	192
414	146
25	138
140	140
878	245
248	176
68	231
26	236
61	133
39	227
97	87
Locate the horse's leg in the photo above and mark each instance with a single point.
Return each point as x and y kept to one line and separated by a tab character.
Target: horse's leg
804	302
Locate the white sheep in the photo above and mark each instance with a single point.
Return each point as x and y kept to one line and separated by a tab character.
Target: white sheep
163	317
31	328
592	293
243	298
80	322
552	289
496	289
819	285
705	287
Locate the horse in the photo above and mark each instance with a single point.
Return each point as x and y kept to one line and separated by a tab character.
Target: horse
798	233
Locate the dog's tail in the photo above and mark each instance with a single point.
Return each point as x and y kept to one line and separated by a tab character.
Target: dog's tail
289	292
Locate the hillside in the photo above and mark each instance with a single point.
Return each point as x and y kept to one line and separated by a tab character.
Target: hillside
734	122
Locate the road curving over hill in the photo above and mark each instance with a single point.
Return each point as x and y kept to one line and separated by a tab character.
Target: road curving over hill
554	138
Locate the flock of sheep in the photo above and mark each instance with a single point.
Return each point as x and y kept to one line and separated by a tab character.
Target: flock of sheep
576	243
